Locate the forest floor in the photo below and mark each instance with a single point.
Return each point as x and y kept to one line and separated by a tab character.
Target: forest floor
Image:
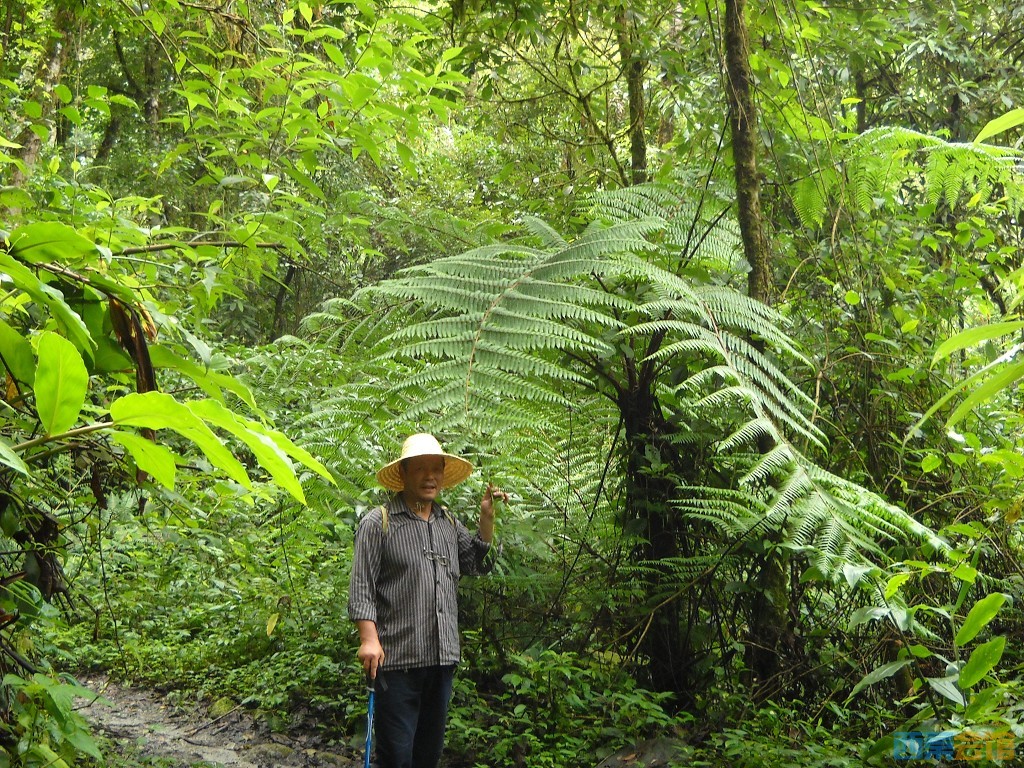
145	730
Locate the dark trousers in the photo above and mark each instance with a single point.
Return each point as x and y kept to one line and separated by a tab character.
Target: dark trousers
412	708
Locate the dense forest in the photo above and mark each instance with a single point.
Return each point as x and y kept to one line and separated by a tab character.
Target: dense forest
726	294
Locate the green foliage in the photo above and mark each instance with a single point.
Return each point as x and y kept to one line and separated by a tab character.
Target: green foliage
885	167
44	727
553	709
513	326
76	332
955	681
221	170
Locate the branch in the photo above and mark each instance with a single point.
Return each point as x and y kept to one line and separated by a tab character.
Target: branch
154	247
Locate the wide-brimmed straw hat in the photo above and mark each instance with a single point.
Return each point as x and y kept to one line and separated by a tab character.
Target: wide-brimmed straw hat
456	468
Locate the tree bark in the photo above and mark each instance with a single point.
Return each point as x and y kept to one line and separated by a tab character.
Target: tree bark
48	77
743	125
648	508
768	623
633	67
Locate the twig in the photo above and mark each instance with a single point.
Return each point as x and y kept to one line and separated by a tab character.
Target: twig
212	722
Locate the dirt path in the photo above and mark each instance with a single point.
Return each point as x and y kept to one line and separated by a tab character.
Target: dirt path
147	731
139	722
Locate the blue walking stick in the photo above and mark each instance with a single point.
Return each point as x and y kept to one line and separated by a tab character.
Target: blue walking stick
372	690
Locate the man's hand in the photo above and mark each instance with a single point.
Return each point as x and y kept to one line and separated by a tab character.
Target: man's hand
491	495
371	654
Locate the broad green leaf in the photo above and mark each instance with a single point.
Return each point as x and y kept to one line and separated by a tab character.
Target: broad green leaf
270	457
51	299
982	660
979	616
974	336
272	623
930	463
17	354
158	410
965	572
855	572
61	383
451	53
296	452
989	389
880	673
947	686
152	458
1011	119
894	584
210	381
9	458
46	756
49	242
80	739
867	613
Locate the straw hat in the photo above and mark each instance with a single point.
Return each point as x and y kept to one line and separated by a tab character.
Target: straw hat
456	469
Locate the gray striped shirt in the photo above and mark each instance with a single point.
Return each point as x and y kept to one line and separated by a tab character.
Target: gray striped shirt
405	579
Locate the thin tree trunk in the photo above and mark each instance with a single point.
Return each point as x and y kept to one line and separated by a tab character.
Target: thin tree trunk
277	327
110	134
743	124
633	66
768	609
48	78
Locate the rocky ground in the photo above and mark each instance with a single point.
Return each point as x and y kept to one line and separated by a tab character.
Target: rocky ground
141	724
145	730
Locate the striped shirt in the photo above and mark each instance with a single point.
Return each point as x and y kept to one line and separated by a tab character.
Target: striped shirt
405	577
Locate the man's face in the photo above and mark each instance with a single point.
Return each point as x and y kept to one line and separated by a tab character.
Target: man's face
423	477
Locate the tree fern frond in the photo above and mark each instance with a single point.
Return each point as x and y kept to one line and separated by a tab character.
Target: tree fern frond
748	434
548	236
513	338
879	160
768	465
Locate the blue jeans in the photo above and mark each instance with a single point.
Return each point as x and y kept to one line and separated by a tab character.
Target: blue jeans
412	709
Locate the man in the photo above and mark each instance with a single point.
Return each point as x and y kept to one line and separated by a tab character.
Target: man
409	556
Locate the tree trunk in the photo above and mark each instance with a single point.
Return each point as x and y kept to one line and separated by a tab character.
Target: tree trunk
648	507
48	78
743	125
277	327
633	67
768	611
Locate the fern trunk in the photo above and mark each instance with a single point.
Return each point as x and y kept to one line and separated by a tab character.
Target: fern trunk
649	494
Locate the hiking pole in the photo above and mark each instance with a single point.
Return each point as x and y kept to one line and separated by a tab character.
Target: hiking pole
371	688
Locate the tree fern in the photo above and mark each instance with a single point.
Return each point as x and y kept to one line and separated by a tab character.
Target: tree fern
509	336
879	162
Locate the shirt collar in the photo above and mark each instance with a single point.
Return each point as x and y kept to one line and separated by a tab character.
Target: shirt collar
402	508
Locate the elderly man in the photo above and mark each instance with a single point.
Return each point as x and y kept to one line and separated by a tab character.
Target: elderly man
409	556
